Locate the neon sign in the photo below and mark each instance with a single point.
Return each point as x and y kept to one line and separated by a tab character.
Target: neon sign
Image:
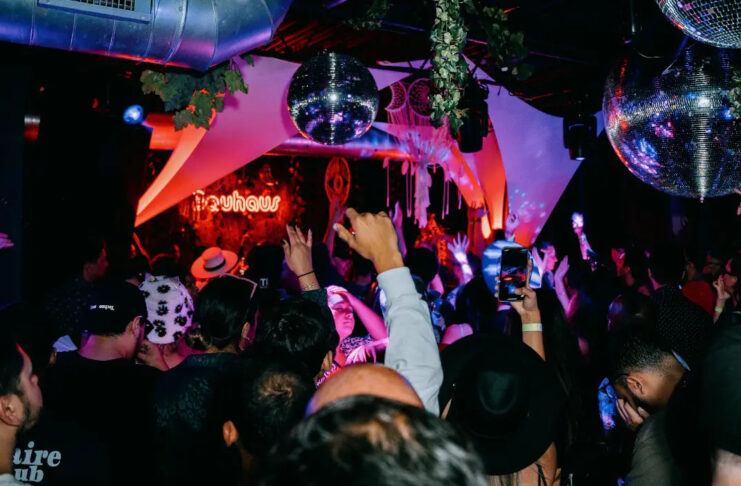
235	203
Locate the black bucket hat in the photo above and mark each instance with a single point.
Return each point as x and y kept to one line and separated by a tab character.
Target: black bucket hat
504	397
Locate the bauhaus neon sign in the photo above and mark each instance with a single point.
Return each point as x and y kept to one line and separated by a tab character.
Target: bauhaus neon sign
235	203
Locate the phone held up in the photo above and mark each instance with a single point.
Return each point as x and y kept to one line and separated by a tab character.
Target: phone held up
513	273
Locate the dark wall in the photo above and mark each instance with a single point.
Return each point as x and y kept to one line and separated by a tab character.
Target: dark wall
619	209
13	82
85	176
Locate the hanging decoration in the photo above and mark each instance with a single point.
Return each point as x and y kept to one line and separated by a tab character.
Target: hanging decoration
409	115
337	186
333	99
714	22
674	130
453	20
195	97
337	180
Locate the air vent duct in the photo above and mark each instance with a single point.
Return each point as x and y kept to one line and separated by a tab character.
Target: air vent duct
189	33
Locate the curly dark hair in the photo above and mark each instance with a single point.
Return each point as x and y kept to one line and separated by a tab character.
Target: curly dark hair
296	329
367	440
271	400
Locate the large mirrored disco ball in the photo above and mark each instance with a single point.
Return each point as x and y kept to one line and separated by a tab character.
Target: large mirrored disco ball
333	99
672	127
715	22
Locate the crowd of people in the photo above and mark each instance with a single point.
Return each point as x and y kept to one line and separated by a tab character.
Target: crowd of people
365	362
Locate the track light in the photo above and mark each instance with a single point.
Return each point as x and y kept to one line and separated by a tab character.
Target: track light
579	134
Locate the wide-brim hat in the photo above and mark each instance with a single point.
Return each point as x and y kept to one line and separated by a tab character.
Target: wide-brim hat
483	365
213	262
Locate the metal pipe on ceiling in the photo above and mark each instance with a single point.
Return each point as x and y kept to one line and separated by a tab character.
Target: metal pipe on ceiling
190	33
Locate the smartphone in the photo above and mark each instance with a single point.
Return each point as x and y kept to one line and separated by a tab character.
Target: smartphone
513	273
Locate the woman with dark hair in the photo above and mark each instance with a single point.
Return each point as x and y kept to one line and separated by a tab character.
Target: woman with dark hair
224	314
562	354
728	287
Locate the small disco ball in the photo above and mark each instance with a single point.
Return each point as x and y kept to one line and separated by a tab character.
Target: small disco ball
674	129
714	22
333	99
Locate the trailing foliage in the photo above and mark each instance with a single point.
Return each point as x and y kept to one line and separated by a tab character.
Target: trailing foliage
506	47
453	20
734	95
449	69
372	16
195	97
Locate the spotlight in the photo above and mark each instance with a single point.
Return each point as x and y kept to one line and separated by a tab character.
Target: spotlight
133	115
476	125
579	133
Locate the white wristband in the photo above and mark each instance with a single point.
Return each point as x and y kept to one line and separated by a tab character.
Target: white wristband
533	327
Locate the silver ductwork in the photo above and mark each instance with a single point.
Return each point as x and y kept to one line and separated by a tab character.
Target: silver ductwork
189	33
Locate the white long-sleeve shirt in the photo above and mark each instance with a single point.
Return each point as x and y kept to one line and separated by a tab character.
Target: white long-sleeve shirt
412	349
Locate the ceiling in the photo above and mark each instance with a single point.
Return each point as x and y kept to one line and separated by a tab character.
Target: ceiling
572	43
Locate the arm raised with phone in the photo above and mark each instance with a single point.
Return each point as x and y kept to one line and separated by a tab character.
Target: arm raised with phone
412	349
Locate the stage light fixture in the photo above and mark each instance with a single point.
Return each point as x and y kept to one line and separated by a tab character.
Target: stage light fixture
133	115
579	134
476	125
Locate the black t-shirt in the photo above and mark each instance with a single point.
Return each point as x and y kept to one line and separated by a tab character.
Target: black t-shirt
59	453
111	399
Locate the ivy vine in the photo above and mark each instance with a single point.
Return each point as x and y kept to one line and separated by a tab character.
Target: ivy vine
734	95
448	35
449	69
372	16
195	97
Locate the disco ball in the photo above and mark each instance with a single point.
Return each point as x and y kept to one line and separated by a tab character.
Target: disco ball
333	99
674	129
715	22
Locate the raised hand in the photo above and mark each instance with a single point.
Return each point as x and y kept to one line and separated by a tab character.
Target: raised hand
562	269
373	236
297	250
511	224
334	289
577	223
527	308
720	289
5	241
538	259
458	247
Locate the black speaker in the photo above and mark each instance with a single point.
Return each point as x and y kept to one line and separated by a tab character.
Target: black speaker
475	127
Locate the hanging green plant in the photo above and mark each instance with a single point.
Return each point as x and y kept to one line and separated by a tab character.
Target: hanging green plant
734	95
372	17
195	97
449	69
448	38
507	48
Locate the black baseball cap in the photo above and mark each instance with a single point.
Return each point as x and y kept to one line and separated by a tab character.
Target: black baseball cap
112	306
